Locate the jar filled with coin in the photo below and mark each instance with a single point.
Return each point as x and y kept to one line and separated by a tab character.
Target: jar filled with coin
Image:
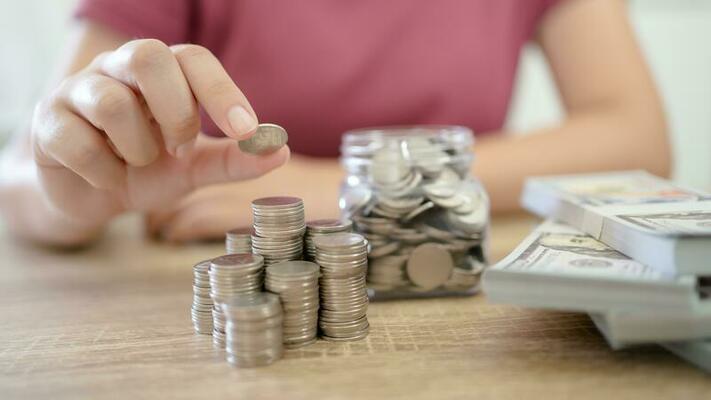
410	192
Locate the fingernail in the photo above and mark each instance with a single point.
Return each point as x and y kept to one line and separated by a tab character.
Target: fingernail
241	121
184	149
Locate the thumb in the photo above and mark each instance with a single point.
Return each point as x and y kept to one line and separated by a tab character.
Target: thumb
220	160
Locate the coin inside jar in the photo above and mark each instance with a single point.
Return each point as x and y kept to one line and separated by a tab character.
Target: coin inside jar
429	266
267	139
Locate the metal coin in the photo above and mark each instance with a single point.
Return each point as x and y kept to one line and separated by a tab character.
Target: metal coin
429	266
267	139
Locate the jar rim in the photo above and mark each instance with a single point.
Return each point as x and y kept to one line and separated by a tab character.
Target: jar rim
404	131
448	144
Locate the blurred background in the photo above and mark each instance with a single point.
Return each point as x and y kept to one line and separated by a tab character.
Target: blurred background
673	35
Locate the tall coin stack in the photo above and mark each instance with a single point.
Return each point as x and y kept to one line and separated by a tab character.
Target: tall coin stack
344	299
239	240
253	330
296	283
230	276
279	228
322	227
201	311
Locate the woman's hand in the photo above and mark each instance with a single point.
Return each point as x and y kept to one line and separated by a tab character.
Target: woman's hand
121	133
209	212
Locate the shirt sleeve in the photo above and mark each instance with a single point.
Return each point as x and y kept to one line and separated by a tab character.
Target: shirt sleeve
166	20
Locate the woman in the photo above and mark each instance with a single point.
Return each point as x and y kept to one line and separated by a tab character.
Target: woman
318	68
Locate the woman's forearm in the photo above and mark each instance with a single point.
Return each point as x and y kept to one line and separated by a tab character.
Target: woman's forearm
588	141
27	214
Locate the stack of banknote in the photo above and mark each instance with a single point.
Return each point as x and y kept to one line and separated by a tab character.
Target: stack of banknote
631	249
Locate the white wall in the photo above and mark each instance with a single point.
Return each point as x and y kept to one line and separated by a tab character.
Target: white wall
33	33
674	35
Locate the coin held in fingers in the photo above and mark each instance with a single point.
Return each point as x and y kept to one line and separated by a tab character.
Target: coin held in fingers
268	139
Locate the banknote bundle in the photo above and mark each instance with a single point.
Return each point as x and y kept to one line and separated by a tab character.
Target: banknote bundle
628	248
647	218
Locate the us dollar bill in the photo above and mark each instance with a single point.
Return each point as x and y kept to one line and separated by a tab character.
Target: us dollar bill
559	267
635	199
560	250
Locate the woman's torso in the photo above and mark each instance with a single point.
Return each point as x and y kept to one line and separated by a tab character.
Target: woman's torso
322	67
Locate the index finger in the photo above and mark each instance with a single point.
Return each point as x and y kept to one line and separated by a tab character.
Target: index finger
215	90
150	67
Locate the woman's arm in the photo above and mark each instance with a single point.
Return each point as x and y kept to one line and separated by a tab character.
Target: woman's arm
121	133
22	202
614	115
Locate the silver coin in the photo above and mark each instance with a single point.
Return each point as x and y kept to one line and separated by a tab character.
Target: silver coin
329	225
267	139
429	266
276	202
419	210
339	241
384	250
388	167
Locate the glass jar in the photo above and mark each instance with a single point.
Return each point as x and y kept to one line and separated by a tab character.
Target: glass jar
409	191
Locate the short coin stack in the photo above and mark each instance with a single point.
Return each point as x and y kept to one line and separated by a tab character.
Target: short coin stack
230	276
201	311
322	227
279	228
296	283
253	330
239	240
344	299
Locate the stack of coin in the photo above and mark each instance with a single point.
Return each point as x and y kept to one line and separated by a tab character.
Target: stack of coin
201	310
218	324
344	299
253	330
279	228
239	240
230	276
296	283
323	227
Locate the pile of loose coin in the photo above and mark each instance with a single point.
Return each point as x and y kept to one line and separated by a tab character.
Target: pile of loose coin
416	207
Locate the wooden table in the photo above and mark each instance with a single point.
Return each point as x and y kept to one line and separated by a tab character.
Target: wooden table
113	322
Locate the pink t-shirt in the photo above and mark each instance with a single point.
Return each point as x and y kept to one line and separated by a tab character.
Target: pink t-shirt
322	67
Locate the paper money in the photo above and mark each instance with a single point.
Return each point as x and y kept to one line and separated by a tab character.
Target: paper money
652	220
560	267
696	352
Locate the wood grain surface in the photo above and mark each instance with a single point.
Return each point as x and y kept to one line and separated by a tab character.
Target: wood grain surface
113	321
